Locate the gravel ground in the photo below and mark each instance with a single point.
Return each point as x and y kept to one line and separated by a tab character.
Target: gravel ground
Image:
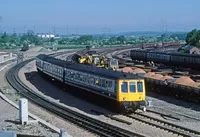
176	108
160	103
82	106
72	129
9	118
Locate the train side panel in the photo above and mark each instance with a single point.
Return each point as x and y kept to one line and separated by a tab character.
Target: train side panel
53	70
138	55
192	61
99	85
158	57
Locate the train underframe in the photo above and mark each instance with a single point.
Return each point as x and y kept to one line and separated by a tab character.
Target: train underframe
107	103
130	107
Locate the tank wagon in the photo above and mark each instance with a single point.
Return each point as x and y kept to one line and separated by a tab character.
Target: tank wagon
126	90
174	59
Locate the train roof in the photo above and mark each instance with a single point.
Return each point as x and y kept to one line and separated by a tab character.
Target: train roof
169	53
185	54
151	51
90	69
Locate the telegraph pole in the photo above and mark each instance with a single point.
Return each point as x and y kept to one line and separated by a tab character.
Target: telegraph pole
67	30
25	29
163	26
1	18
54	30
76	31
34	29
14	31
106	30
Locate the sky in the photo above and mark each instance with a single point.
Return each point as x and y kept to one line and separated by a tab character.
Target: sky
99	16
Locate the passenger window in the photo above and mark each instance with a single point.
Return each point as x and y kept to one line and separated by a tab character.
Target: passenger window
92	81
98	82
103	83
132	87
140	87
124	87
109	85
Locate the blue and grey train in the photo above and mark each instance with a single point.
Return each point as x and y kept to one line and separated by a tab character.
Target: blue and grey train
126	90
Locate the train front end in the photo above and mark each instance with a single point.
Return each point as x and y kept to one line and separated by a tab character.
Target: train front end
131	94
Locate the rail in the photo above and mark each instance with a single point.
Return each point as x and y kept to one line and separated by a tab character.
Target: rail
180	130
94	125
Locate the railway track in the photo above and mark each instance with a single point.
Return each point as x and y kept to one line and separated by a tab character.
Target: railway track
91	124
173	128
158	123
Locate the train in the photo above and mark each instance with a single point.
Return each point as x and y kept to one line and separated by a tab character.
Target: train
171	58
125	90
161	44
99	61
25	48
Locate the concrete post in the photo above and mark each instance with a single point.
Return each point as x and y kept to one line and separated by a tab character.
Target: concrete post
10	55
1	58
23	111
149	103
63	133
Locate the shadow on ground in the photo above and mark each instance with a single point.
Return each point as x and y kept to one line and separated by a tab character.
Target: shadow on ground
65	96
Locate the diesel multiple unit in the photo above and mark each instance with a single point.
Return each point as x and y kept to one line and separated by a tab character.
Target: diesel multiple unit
125	89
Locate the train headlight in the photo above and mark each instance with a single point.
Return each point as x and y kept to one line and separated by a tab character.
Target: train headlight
140	97
124	98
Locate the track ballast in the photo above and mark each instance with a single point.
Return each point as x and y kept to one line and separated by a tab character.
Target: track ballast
86	122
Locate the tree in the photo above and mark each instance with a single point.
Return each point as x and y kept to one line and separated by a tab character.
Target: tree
85	39
30	37
193	38
52	40
178	36
112	40
122	39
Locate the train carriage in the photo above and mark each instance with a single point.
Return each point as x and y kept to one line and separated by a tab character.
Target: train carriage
158	57
39	62
185	60
173	58
138	54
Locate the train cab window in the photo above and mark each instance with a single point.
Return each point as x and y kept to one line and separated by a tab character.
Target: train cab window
132	87
124	87
139	86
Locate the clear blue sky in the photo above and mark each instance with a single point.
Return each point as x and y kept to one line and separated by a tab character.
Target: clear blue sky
93	16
